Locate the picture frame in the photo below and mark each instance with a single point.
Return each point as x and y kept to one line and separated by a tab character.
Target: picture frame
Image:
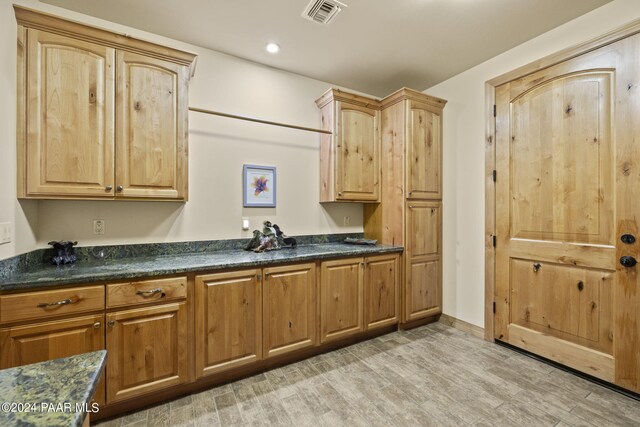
258	186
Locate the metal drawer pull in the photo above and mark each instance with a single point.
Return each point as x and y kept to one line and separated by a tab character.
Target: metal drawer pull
53	304
150	292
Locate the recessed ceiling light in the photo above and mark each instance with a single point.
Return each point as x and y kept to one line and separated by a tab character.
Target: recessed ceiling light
273	48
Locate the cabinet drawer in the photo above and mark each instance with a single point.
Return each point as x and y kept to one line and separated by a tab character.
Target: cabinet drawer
148	291
44	304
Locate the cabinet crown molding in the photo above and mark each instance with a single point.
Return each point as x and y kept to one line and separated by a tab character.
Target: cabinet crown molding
334	94
35	19
406	93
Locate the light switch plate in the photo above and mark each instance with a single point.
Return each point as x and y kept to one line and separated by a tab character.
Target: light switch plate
6	232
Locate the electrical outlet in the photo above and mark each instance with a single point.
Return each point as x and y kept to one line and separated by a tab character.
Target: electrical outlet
98	226
6	232
346	220
245	224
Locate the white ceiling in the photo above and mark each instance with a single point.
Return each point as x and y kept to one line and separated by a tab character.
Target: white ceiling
374	46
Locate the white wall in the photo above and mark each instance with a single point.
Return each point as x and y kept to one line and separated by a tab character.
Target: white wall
464	126
218	149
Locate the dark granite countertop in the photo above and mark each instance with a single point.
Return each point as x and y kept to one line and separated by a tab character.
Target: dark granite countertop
43	386
43	275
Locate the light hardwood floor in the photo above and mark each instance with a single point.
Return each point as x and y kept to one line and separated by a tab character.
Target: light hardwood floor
432	375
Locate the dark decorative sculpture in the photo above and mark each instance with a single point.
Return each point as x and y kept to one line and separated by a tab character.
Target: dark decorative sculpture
270	238
64	252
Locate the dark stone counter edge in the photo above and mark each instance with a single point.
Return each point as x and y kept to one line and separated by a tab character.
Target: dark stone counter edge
93	387
7	286
84	395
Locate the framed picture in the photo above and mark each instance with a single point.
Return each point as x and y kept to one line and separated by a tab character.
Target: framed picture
259	186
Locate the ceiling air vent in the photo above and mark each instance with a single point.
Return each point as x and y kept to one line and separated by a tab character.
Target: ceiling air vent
322	11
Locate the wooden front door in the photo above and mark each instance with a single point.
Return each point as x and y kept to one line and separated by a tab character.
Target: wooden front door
566	192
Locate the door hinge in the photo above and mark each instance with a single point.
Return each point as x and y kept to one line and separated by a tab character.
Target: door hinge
495	240
494	307
495	114
494	175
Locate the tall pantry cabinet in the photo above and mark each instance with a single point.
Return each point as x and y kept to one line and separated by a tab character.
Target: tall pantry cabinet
410	212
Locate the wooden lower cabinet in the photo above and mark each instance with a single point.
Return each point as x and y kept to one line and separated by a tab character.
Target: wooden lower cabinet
33	343
147	350
341	299
289	309
358	294
228	320
423	267
381	287
423	296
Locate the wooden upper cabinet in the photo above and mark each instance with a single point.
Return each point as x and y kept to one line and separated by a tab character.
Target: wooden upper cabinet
100	115
424	150
151	149
70	117
350	157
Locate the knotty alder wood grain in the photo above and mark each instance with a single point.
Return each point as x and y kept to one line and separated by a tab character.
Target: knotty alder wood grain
411	170
70	126
562	203
228	327
289	307
70	105
382	289
42	304
147	350
341	294
424	161
350	158
151	118
146	292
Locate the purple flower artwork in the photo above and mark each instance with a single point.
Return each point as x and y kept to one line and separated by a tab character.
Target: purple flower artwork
259	186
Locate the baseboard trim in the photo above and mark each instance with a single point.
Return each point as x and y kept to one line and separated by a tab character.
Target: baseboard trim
463	326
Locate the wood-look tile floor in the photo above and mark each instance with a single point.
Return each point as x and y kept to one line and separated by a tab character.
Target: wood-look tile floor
429	376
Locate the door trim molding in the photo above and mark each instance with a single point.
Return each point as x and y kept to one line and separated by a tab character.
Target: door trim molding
630	29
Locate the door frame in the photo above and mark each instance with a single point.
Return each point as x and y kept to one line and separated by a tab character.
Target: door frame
615	35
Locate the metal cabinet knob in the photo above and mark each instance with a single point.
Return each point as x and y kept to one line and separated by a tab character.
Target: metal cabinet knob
111	323
97	325
109	187
120	188
629	239
628	261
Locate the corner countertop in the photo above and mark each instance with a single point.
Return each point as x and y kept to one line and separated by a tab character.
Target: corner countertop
44	276
42	386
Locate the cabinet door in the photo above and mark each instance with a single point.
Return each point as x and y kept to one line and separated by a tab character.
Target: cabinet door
357	173
423	296
289	309
152	115
70	122
381	290
147	350
24	345
228	320
423	272
341	295
424	148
